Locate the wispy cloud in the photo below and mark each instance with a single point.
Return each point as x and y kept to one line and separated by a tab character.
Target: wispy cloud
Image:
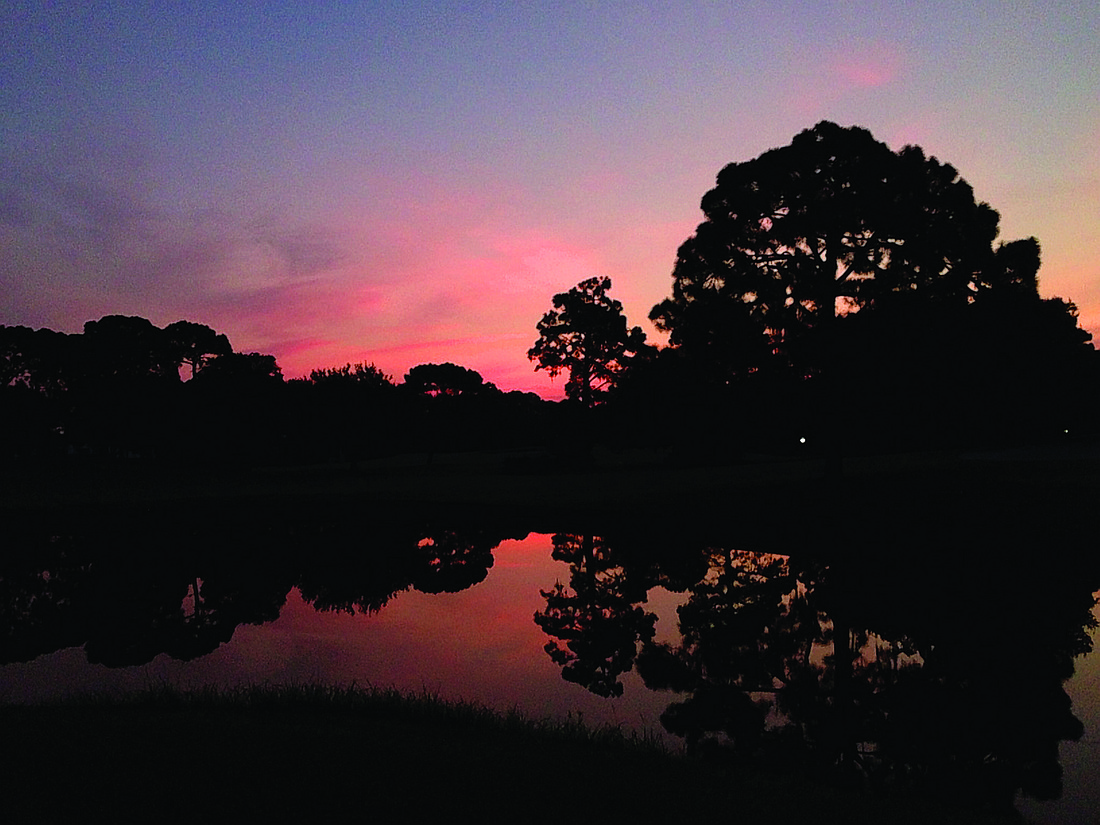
866	66
826	79
100	228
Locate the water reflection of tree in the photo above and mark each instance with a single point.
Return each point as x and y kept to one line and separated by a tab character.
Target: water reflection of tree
129	595
349	571
962	691
749	632
597	620
987	707
127	599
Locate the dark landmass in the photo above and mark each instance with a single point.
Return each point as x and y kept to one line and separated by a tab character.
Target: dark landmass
764	501
280	754
1014	524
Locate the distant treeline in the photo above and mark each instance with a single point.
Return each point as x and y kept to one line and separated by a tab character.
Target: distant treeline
127	389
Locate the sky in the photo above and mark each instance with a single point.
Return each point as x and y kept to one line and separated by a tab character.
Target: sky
404	183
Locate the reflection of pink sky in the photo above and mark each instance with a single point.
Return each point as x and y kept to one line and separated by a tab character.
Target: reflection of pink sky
479	645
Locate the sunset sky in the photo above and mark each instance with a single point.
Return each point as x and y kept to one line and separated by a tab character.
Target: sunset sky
411	182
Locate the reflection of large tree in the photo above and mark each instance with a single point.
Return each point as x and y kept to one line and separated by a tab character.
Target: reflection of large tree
987	706
449	560
930	660
597	619
965	690
749	628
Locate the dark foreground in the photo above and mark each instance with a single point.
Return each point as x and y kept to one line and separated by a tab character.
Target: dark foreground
313	753
289	754
539	493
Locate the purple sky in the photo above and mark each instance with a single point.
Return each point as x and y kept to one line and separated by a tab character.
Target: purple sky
412	182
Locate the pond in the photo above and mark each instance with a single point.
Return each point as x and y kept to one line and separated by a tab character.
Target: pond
958	667
480	644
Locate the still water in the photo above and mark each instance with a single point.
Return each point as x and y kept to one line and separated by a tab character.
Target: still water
480	644
954	662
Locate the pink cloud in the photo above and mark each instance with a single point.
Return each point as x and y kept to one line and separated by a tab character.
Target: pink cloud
860	67
456	272
419	270
462	282
867	67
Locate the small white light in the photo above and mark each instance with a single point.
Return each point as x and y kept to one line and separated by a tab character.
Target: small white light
802	440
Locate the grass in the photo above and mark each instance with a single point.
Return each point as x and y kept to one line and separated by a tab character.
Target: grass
361	754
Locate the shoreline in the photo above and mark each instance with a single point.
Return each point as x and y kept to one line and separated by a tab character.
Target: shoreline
271	752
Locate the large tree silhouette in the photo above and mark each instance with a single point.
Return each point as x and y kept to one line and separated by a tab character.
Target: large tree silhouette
834	223
586	335
242	371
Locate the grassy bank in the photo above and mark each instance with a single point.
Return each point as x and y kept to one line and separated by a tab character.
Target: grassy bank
280	754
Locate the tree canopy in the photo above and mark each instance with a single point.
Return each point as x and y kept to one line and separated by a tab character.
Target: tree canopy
123	349
195	344
446	380
830	225
361	374
242	370
586	335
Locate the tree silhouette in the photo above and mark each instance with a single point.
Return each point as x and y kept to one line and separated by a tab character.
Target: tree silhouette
242	371
748	631
195	344
39	360
1010	367
126	351
102	589
359	376
598	618
446	379
586	335
452	560
832	224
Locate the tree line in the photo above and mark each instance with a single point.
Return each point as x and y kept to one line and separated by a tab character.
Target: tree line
837	294
127	389
845	293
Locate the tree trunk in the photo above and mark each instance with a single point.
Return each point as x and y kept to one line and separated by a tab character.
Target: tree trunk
831	502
